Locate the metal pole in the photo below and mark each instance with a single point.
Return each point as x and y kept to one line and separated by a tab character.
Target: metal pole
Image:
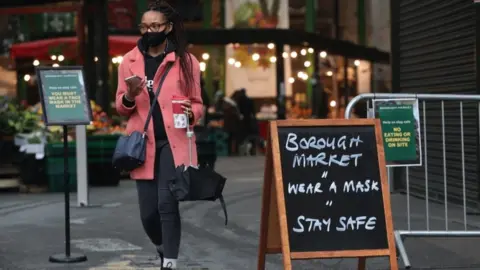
82	170
66	191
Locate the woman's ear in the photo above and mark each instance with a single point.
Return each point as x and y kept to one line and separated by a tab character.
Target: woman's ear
169	27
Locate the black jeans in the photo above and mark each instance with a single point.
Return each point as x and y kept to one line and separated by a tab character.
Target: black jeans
158	207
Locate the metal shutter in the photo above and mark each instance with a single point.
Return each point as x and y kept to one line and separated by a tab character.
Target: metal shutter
435	53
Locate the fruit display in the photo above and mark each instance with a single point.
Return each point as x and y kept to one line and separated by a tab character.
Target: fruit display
102	123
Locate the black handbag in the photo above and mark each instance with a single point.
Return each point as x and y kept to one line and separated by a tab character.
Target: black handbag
130	150
197	184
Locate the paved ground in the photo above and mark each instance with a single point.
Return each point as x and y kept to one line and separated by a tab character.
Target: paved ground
31	229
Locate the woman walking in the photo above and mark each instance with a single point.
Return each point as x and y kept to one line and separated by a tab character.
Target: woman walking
162	44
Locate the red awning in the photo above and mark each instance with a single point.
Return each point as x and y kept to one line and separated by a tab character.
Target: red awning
42	49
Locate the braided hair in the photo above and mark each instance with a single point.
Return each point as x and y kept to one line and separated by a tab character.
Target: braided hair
177	36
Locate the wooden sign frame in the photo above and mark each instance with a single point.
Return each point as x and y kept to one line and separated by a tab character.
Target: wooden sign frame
274	217
47	121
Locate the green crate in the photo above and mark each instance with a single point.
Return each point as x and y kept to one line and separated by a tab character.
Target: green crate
54	164
100	148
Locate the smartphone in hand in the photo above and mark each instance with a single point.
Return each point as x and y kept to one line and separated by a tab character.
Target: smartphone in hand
133	80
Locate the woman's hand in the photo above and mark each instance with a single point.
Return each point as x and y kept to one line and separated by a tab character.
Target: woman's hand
134	88
187	108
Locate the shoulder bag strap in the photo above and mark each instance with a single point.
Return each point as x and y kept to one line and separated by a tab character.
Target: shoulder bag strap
154	101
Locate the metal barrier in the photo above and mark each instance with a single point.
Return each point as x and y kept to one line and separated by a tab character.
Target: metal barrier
400	235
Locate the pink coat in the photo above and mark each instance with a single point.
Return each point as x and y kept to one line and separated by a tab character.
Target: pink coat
133	64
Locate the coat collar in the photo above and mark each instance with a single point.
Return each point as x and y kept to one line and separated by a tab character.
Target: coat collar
137	62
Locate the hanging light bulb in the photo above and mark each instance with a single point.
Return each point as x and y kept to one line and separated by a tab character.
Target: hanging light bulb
205	56
231	61
271	46
329	73
36	62
95	59
119	59
203	66
26	77
310	50
356	63
300	74
307	64
255	56
291	80
323	54
333	103
61	58
293	54
303	52
238	64
55	65
273	59
53	57
285	55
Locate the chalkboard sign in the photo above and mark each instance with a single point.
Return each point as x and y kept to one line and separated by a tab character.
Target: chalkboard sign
330	195
63	96
332	188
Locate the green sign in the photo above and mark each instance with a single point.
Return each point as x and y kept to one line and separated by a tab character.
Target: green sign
401	132
63	96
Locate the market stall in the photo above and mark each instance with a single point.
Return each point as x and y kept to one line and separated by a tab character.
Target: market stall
38	150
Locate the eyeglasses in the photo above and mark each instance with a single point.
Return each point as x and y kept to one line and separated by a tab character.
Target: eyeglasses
154	27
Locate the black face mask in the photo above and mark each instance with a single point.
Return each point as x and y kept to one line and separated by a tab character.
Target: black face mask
153	39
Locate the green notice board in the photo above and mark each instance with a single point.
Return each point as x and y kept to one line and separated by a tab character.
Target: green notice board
400	123
63	96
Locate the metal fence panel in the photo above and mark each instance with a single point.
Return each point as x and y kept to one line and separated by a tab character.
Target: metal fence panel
448	175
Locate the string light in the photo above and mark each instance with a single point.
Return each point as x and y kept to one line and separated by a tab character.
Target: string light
329	73
231	61
273	59
303	52
238	64
53	57
61	58
291	80
356	63
36	62
285	55
333	103
255	56
96	59
271	46
26	77
302	75
203	66
307	63
293	54
117	59
55	65
205	56
310	50
323	54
